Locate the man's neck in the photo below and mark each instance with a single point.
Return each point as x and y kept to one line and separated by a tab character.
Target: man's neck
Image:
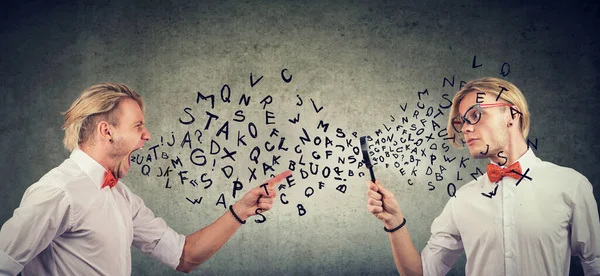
96	154
511	153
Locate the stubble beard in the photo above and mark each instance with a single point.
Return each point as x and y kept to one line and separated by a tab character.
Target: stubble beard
119	154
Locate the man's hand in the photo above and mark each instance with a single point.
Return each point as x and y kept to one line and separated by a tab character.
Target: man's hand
260	197
382	203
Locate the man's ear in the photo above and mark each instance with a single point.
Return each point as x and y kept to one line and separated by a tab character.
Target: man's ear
515	114
104	131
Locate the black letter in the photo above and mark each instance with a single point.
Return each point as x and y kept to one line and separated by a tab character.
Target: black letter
186	110
221	200
301	210
287	80
480	95
253	83
475	63
237	186
501	90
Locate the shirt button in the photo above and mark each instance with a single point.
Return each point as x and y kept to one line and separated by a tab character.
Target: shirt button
509	254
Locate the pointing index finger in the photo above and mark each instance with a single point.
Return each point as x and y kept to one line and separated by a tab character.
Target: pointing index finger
273	181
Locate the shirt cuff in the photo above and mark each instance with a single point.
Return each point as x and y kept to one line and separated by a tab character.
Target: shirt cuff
8	265
169	248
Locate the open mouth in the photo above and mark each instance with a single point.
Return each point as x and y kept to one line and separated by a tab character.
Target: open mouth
129	157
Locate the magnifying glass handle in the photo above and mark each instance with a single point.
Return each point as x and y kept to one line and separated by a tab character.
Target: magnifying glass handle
372	174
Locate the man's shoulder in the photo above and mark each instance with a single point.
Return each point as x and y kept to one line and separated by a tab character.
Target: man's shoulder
62	176
62	180
549	170
52	186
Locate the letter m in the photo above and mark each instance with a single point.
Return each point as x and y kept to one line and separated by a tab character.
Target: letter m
322	125
202	97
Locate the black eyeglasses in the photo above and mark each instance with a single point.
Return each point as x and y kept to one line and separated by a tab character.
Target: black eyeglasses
473	115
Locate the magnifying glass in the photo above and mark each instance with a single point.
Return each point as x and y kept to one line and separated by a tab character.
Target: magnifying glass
364	147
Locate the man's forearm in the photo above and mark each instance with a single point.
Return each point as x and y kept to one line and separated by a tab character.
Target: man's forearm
204	243
406	256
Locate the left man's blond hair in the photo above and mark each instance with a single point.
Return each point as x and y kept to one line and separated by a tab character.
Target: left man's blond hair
97	103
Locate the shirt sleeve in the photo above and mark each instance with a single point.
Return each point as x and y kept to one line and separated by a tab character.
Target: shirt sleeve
152	235
44	213
585	229
445	244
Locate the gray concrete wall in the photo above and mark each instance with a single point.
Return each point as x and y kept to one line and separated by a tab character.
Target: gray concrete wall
356	65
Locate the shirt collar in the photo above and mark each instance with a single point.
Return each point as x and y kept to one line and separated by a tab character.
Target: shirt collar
526	160
91	167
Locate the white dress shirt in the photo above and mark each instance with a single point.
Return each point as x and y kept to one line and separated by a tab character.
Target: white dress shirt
67	225
531	228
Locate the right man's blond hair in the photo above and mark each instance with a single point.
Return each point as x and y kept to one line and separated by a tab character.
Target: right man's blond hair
97	103
493	86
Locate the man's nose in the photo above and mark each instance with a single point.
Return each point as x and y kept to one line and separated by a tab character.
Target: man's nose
467	128
146	135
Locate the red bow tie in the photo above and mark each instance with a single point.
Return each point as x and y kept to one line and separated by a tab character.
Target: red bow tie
495	173
109	180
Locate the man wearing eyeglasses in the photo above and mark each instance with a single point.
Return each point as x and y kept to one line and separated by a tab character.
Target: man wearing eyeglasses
523	217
